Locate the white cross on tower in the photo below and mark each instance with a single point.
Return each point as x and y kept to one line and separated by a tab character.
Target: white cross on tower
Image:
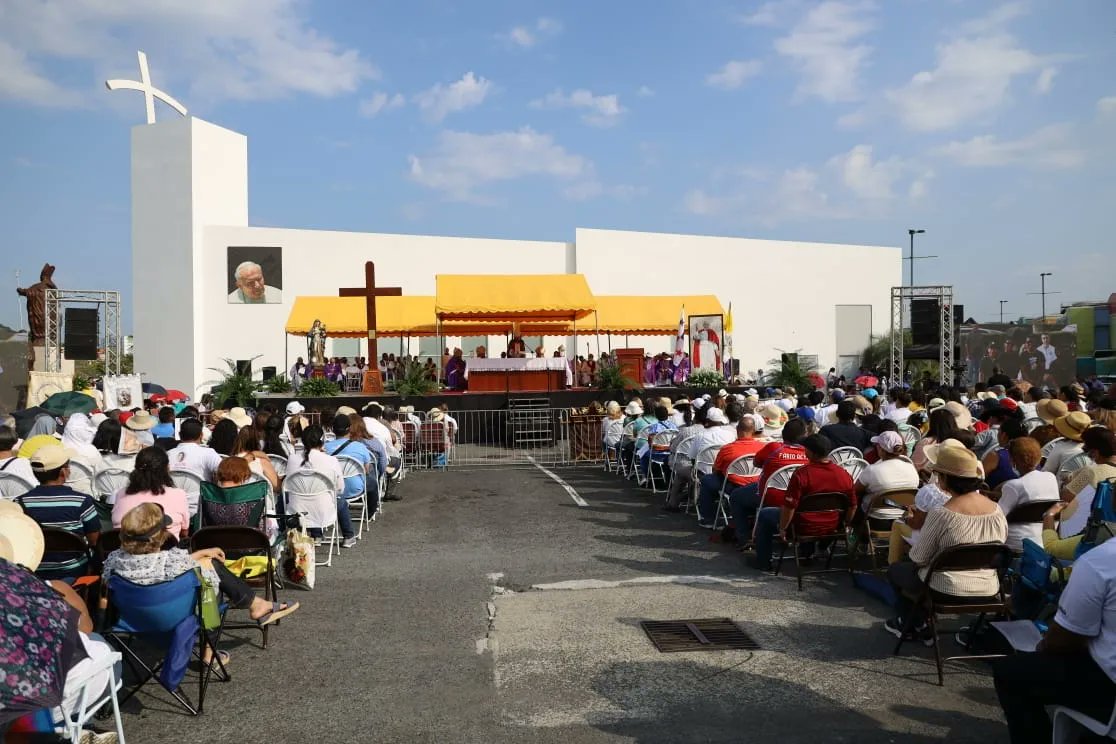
150	92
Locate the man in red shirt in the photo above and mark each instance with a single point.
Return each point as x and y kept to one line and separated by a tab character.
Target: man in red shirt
818	475
745	500
745	444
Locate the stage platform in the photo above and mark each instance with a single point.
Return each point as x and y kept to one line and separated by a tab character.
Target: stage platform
569	398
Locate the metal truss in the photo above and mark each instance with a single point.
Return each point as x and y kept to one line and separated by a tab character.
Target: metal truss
108	321
946	332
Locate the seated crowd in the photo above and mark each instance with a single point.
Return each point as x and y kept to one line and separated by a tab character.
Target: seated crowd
140	477
913	475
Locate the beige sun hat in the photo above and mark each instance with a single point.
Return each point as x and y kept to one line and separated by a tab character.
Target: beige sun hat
239	417
962	417
1050	409
954	459
142	421
21	538
1073	425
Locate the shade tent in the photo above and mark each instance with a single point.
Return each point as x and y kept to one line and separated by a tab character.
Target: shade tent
648	315
513	297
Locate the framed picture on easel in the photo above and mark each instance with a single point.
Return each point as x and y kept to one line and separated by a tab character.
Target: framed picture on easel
707	336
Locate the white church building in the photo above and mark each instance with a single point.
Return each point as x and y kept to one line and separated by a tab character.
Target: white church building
190	231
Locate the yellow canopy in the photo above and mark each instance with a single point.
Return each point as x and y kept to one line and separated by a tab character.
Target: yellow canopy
651	315
345	316
513	297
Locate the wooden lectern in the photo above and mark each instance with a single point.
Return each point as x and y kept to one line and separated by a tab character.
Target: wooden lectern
631	365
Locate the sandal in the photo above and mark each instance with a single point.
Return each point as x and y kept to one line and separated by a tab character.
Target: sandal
223	656
279	610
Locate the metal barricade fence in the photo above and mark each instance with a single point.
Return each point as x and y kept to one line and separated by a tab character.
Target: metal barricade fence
522	435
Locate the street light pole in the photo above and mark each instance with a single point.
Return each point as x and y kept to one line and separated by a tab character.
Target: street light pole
1042	278
1002	303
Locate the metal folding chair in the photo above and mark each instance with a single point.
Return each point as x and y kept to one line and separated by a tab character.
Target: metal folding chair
876	531
311	496
741	466
434	443
817	503
239	542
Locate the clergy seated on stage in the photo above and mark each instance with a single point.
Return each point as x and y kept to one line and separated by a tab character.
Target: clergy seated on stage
481	352
455	371
746	443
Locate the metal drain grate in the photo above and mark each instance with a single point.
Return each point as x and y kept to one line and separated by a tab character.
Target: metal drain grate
705	634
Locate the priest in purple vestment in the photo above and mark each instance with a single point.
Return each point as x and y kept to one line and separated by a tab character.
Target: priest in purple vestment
455	371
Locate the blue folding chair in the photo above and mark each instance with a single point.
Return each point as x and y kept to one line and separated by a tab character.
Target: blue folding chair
153	613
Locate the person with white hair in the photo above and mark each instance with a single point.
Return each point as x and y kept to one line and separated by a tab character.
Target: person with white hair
251	287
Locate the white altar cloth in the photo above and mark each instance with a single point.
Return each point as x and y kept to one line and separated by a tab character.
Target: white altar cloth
531	363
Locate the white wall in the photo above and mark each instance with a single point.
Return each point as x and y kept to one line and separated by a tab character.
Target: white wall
783	293
318	262
186	173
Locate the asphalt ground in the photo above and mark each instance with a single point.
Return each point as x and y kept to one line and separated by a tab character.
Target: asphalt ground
488	606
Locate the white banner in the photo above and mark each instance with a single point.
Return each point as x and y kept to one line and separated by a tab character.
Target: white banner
45	384
123	391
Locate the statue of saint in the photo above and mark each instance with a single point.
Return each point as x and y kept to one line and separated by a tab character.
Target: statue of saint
315	344
36	303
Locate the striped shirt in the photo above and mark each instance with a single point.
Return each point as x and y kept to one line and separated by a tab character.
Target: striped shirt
66	509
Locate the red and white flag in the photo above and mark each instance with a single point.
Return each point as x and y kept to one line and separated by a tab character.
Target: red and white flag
680	339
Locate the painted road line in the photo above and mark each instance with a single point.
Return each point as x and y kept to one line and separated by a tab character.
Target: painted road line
569	489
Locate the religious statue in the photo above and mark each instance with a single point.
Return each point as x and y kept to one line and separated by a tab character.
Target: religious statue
315	344
36	303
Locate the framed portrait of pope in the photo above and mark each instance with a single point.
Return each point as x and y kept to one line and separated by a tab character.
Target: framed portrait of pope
255	275
706	341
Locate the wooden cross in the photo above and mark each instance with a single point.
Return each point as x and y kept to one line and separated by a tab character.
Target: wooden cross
372	381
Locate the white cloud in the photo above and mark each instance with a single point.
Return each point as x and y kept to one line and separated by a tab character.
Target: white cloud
441	100
601	111
381	102
1048	147
526	37
1045	82
734	74
463	162
973	76
1107	105
645	91
767	14
213	49
825	46
920	186
866	178
591	189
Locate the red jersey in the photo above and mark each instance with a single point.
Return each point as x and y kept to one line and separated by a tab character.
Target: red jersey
818	477
773	456
738	448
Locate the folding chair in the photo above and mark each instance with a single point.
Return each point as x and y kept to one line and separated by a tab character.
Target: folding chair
840	454
64	546
239	542
910	435
1071	465
778	481
311	496
1030	512
410	444
106	543
350	468
279	463
153	613
612	431
659	453
434	443
627	434
854	466
743	466
109	482
191	484
817	503
991	556
89	701
1069	722
877	525
704	459
242	505
381	486
81	477
1032	423
1048	448
12	486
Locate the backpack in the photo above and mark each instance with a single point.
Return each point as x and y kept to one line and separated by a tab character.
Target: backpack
1102	519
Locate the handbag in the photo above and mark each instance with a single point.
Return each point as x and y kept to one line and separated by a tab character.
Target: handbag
299	559
210	604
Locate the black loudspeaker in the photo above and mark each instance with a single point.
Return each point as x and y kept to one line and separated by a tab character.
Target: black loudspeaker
268	372
926	322
958	315
80	333
244	367
791	358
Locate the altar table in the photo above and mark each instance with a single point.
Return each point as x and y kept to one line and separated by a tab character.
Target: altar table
533	374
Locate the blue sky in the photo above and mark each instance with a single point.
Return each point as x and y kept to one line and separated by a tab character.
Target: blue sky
990	125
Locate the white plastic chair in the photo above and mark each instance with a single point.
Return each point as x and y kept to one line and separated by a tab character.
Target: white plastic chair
350	468
910	435
108	482
312	497
279	463
627	434
1032	423
612	433
90	701
1048	448
81	477
854	467
743	465
840	454
191	484
779	480
703	464
13	486
1071	465
660	442
1069	722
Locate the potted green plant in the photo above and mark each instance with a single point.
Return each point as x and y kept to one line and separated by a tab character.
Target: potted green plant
611	377
318	387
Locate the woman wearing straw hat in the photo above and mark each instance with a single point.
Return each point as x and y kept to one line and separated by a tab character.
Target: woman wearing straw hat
1070	427
968	518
